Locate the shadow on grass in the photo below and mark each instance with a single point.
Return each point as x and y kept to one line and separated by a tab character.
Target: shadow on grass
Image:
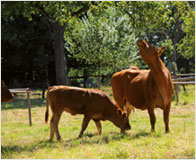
21	103
141	134
88	138
9	151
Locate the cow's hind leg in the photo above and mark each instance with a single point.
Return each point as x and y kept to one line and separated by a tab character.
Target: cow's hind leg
98	125
166	117
152	118
84	125
54	126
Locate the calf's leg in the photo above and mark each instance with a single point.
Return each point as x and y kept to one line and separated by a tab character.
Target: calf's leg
84	125
52	128
166	117
152	118
98	125
122	103
56	122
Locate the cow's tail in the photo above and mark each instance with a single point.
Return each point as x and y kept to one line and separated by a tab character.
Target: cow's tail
47	109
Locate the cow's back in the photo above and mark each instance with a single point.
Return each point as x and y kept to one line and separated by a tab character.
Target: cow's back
77	100
64	98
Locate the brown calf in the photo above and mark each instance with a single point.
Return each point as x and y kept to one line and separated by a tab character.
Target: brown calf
6	95
93	103
145	89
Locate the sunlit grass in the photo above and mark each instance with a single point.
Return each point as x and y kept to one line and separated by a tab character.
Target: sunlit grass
19	140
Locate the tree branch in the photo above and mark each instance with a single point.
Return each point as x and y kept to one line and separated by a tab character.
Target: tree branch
48	19
128	13
163	33
83	9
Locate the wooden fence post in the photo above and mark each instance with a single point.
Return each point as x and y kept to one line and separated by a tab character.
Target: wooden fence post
28	92
29	106
176	87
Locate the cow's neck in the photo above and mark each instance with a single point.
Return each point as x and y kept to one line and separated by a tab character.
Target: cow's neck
158	71
112	115
160	76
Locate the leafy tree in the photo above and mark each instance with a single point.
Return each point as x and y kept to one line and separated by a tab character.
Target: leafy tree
186	46
107	41
57	16
26	49
101	41
164	23
143	16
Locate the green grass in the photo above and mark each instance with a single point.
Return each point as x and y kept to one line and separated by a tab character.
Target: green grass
19	140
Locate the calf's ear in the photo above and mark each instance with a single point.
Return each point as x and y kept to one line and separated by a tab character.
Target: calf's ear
119	112
124	114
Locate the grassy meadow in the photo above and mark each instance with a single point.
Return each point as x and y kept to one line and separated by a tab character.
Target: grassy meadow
21	141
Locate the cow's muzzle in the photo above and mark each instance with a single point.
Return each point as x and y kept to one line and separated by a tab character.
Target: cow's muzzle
128	128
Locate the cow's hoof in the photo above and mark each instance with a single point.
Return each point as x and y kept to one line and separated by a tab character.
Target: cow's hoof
122	131
80	136
168	131
50	140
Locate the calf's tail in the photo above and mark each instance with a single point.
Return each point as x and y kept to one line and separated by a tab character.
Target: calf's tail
47	104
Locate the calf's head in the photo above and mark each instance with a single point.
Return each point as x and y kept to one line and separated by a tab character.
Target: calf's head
149	53
122	120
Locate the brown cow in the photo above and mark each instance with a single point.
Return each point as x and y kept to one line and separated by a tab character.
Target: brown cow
93	103
145	89
6	95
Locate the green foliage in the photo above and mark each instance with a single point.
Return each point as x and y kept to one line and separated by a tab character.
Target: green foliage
102	40
187	44
169	49
143	16
169	24
61	12
107	41
26	47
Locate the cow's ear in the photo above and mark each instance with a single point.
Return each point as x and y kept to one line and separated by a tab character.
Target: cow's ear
119	112
2	84
160	51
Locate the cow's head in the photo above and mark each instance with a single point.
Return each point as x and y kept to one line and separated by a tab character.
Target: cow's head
6	95
122	120
149	53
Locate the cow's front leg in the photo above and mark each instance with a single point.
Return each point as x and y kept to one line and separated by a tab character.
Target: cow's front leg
166	117
152	117
98	125
84	125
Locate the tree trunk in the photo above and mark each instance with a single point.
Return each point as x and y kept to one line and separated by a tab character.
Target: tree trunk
85	78
175	59
99	77
60	59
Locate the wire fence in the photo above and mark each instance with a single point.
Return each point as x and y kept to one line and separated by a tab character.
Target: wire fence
182	79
